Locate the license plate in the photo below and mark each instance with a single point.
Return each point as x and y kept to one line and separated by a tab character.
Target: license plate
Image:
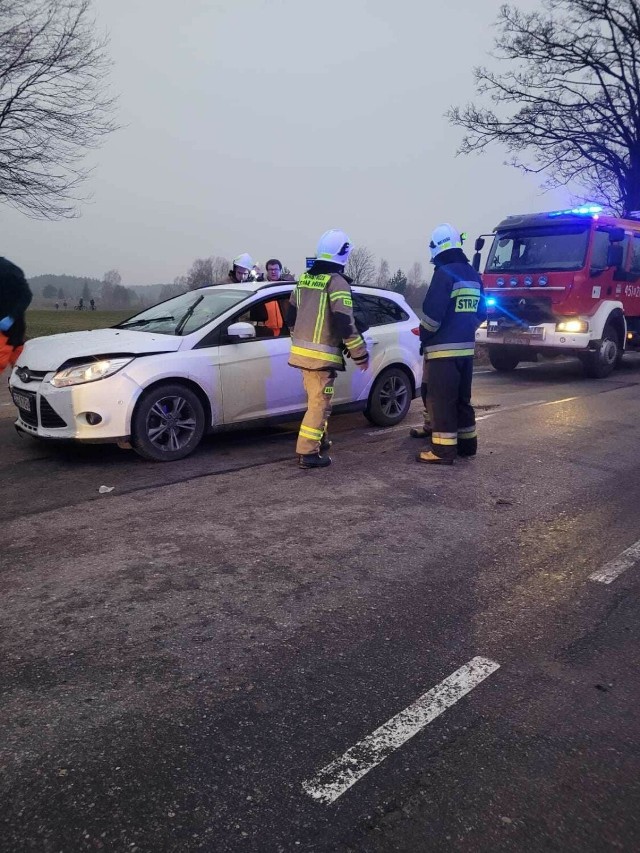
22	401
524	336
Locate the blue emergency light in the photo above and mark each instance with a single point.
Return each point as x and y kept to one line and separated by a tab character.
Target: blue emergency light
491	301
585	210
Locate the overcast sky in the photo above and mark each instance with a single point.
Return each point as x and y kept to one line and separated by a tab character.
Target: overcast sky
255	125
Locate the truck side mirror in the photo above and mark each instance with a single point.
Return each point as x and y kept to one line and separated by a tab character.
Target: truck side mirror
479	244
475	263
614	255
616	235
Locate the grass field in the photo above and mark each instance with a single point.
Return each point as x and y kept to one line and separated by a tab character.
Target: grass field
48	321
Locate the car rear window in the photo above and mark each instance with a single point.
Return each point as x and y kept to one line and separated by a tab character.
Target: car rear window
378	311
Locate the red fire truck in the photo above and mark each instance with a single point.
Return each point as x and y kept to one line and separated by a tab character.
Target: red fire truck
562	283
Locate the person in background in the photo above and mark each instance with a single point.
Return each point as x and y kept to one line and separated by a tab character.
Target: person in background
240	269
274	271
15	298
322	324
453	308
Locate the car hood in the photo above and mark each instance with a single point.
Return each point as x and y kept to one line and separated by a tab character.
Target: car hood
50	352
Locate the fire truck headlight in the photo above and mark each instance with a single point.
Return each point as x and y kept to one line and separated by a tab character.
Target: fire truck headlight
572	326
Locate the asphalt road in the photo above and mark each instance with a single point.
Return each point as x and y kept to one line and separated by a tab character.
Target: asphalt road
186	660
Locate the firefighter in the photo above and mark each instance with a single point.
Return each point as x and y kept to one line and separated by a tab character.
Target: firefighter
453	308
240	269
322	325
15	297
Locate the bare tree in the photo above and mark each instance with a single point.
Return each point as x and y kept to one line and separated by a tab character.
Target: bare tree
383	275
110	280
53	102
568	107
361	266
200	274
219	268
416	286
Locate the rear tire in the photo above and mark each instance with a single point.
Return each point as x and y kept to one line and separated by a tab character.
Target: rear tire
600	362
390	398
503	359
168	423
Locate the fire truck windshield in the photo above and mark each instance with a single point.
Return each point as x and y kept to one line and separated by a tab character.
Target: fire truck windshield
543	249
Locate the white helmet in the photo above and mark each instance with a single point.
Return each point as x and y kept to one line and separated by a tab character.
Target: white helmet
334	246
245	261
444	237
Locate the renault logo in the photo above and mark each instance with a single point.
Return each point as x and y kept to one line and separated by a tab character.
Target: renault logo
522	303
24	374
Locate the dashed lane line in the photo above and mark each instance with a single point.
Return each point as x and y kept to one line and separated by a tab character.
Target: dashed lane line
614	568
338	776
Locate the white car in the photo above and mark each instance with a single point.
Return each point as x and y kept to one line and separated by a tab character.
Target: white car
209	360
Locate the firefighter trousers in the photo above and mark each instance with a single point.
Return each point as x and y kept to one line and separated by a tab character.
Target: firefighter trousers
453	419
424	395
8	353
318	385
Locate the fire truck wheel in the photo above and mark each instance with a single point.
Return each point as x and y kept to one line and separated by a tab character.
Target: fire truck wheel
600	362
503	359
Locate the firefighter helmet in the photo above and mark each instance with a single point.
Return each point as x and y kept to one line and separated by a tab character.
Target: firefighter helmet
444	237
334	246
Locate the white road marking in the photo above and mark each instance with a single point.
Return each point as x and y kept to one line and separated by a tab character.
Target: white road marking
511	409
336	778
614	568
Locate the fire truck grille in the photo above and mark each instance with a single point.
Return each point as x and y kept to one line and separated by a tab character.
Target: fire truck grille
532	310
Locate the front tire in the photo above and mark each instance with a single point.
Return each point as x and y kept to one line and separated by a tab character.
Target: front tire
599	363
168	423
503	359
390	398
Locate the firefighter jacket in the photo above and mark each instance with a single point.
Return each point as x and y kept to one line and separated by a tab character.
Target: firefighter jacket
15	297
321	320
453	308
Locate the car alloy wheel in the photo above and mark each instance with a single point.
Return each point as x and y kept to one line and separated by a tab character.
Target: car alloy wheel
168	423
390	397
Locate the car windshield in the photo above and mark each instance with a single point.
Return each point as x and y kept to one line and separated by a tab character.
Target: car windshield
539	249
185	313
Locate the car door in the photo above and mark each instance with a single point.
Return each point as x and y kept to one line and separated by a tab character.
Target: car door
255	376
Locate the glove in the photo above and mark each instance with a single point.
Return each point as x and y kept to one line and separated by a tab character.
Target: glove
6	323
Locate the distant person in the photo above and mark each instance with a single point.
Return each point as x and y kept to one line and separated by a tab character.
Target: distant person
274	271
15	297
92	303
256	273
80	305
240	269
64	305
57	305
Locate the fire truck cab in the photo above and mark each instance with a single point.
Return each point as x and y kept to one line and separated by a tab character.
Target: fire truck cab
564	282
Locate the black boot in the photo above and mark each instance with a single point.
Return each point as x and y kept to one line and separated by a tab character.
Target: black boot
420	432
325	443
313	460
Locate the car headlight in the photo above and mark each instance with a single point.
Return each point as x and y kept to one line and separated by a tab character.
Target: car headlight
483	325
572	326
89	371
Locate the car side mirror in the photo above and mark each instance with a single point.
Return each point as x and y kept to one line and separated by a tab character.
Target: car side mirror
241	332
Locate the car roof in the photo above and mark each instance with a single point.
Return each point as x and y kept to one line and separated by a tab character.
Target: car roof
256	286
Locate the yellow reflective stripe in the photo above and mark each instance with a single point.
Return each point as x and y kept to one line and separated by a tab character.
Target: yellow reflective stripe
317	334
449	353
340	294
312	353
310	432
355	341
466	291
445	438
